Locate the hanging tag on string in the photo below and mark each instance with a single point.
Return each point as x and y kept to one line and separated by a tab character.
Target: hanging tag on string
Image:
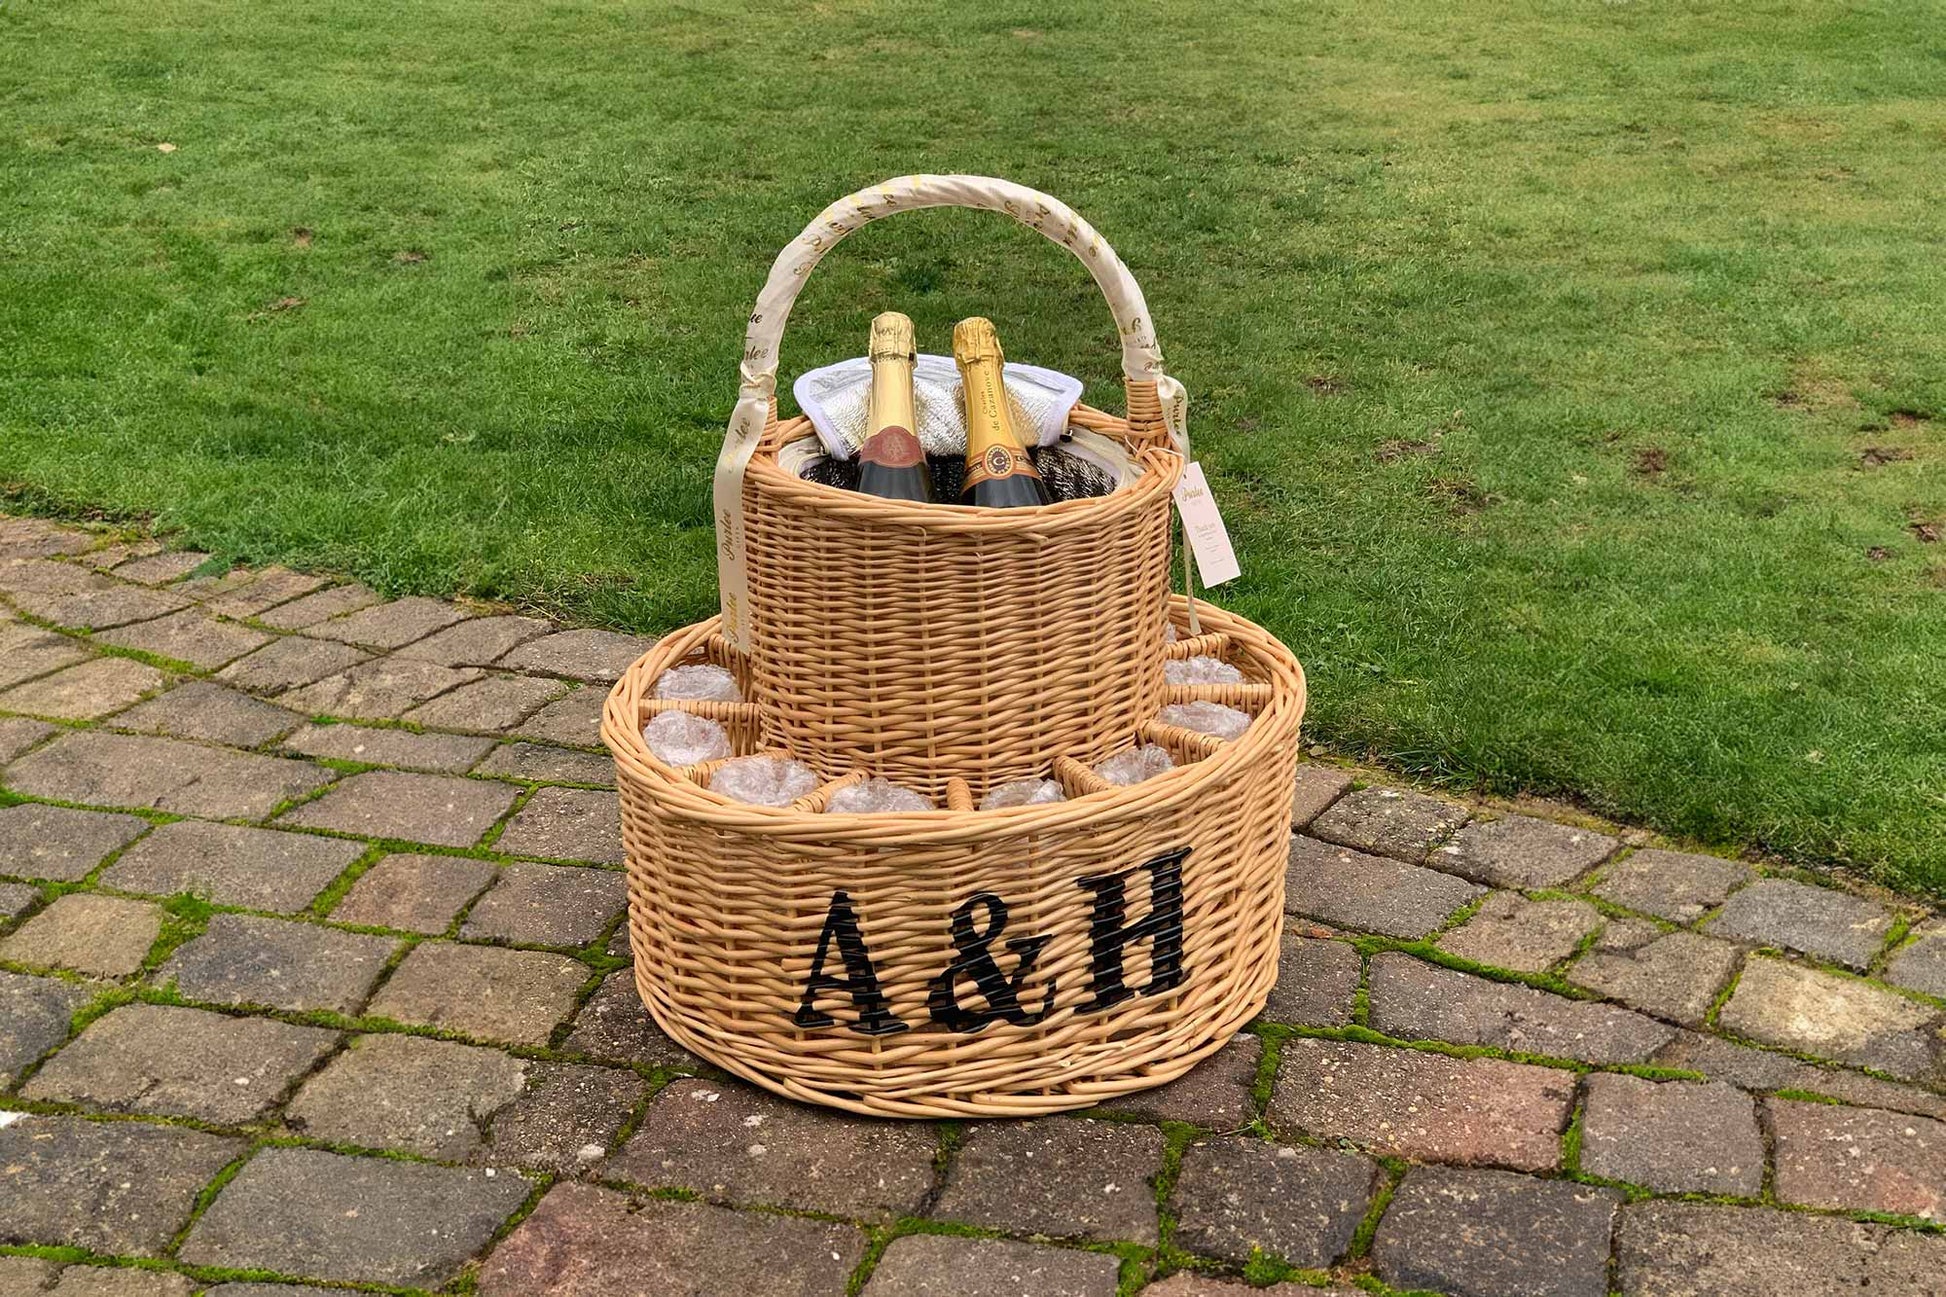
1202	525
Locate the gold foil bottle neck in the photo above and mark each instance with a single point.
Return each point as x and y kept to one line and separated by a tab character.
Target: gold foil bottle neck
892	337
975	339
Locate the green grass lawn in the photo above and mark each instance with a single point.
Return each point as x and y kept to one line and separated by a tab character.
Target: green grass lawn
1543	355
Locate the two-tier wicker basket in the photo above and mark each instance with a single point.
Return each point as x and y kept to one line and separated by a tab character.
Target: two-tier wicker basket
956	962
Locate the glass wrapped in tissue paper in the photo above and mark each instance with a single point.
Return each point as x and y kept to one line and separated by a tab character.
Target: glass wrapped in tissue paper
876	795
703	683
1206	718
1133	765
764	781
683	738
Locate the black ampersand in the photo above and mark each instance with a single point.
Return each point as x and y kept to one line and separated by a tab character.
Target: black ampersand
975	960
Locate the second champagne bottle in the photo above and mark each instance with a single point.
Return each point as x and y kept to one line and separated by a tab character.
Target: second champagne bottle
999	473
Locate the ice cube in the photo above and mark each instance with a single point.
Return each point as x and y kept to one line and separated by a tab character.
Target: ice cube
1206	718
705	683
1022	792
876	795
684	738
1133	765
764	781
1201	670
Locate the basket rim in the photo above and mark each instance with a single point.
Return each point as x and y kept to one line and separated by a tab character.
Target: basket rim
1164	467
1277	722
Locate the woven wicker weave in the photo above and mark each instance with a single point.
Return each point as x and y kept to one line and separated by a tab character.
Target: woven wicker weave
729	905
927	643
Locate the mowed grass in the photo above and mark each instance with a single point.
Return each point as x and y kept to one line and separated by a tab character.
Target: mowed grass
1572	375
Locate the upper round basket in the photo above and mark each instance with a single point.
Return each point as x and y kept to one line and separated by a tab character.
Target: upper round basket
925	642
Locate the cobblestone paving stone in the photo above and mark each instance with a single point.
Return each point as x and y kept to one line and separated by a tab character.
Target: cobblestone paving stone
1350	889
732	1143
1466	1111
86	692
1521	851
1843	1018
1216	1094
439	809
126	770
508	995
547	905
1064	1177
214	713
1300	1205
415	893
34	1017
490	705
1674	885
380	689
251	959
1492	1234
1317	983
1414	1000
232	864
1672	1136
213	1017
104	936
318	1215
566	824
478	642
286	664
314	608
573	719
178	1062
1921	966
942	1265
1509	931
192	637
121	1188
60	843
451	754
1677	976
1389	822
1859	1158
549	765
1817	921
584	1240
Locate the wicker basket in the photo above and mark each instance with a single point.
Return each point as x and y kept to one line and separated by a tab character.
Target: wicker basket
959	962
907	638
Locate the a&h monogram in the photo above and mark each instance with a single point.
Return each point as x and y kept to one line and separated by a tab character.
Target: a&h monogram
976	971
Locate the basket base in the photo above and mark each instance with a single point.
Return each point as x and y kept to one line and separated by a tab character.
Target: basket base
1144	1072
962	963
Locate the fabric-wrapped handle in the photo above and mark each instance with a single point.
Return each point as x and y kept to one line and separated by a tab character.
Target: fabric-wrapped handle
1141	356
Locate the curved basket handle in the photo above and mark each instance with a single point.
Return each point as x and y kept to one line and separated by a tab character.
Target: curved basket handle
1141	356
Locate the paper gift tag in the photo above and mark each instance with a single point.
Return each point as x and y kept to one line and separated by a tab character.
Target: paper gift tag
1209	540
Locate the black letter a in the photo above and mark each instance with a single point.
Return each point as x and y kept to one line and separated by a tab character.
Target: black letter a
860	981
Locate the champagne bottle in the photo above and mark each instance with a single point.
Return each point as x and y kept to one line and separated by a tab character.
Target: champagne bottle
999	475
891	463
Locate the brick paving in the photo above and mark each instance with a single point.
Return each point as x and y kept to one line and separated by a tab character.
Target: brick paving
312	973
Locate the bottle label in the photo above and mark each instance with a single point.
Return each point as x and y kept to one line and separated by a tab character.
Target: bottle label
892	447
998	461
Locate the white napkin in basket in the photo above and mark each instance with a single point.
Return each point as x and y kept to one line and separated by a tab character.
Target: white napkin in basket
834	399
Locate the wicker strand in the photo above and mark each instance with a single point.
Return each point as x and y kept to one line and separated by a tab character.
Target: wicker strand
815	801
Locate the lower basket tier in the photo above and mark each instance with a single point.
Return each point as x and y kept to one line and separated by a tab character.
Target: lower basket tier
964	963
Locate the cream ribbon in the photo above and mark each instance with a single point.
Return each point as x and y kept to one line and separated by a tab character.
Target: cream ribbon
1141	356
